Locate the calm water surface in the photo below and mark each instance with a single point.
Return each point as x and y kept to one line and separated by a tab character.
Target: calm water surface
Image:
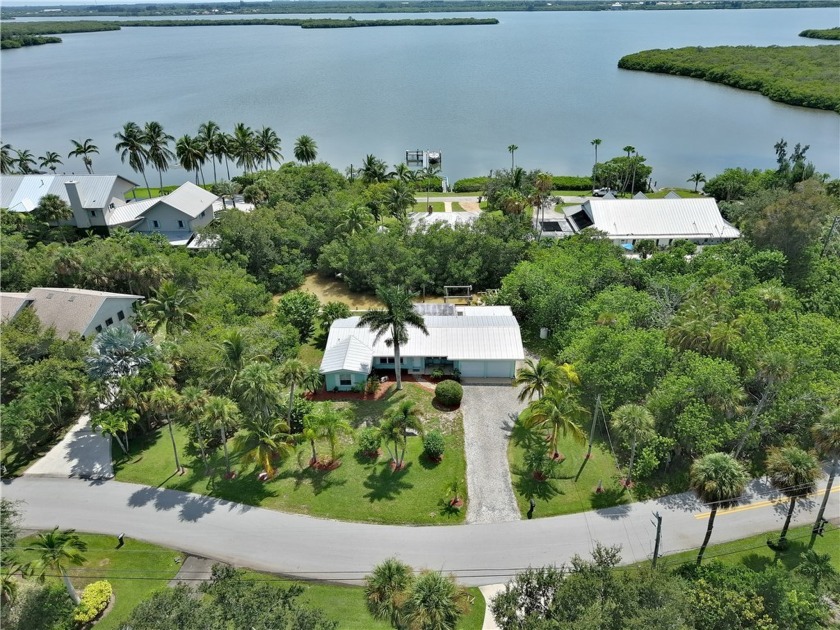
547	82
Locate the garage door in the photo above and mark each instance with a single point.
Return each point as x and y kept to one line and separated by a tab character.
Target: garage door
499	369
472	368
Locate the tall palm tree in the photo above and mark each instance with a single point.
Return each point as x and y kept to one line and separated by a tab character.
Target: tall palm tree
374	170
225	147
268	145
306	150
717	479
293	372
596	143
169	308
535	377
192	411
222	412
226	190
263	442
394	321
212	138
629	149
386	590
112	423
794	473
331	423
166	401
50	160
512	149
52	209
158	153
355	219
698	178
633	422
24	160
57	550
191	154
559	412
826	434
84	150
243	147
234	355
403	417
7	162
404	174
400	199
130	146
257	391
436	602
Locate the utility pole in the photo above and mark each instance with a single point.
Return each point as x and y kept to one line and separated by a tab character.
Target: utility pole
658	537
594	422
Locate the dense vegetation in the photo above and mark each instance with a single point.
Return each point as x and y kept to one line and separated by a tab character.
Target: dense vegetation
19	29
7	41
825	33
808	76
313	23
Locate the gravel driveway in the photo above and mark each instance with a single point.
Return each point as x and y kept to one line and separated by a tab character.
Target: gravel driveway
487	424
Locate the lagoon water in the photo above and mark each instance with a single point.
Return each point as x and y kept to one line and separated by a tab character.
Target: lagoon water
547	82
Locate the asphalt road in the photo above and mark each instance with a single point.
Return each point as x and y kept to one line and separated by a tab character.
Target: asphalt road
307	547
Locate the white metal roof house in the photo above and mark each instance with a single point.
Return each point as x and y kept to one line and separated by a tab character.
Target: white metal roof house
477	341
627	221
71	310
178	214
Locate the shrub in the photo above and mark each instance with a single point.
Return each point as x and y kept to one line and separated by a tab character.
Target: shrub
470	184
449	393
434	444
95	599
568	182
540	464
369	440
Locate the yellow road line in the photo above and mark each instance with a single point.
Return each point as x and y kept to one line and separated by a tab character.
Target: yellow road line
761	504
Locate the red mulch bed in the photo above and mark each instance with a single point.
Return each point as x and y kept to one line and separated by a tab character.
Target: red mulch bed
325	465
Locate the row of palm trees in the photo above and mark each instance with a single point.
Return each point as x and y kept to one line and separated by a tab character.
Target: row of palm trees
718	479
23	161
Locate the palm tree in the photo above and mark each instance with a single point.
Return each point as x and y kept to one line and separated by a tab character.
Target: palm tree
243	147
717	479
629	149
191	155
559	411
817	566
84	150
24	160
168	309
193	410
117	352
596	143
311	433
633	422
225	147
333	424
226	190
398	315
826	434
7	162
234	356
213	140
398	420
130	146
50	160
257	391
356	219
386	590
400	199
374	170
52	209
112	423
222	412
313	380
158	153
512	148
292	373
698	178
263	442
166	401
794	473
404	174
268	145
535	377
306	150
56	551
436	602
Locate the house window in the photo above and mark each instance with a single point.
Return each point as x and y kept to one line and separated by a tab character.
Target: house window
155	224
345	379
386	360
180	224
109	321
99	329
203	212
120	316
93	213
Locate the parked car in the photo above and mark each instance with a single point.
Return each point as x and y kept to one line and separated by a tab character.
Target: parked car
602	192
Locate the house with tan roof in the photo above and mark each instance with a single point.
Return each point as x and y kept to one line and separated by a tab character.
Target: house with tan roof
71	310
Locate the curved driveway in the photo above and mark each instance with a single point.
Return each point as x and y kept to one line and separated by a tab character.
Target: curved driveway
316	548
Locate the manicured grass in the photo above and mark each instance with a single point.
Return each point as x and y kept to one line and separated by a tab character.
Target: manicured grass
562	494
120	567
456	207
141	192
437	206
754	553
359	490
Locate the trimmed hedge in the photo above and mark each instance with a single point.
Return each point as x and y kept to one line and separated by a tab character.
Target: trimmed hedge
434	444
571	182
449	393
470	184
95	599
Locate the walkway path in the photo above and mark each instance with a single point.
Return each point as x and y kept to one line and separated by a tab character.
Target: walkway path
487	424
83	453
308	547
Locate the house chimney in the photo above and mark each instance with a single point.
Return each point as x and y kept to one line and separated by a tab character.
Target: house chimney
79	215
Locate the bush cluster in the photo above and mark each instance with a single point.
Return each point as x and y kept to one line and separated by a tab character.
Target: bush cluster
95	599
434	444
449	393
369	440
571	182
470	184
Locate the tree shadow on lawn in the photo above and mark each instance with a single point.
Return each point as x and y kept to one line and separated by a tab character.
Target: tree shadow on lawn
790	557
386	484
319	480
531	488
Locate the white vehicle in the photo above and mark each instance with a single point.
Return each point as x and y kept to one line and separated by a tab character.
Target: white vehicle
602	192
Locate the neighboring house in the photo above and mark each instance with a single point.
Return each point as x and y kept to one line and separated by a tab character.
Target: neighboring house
72	310
477	341
99	201
425	219
627	221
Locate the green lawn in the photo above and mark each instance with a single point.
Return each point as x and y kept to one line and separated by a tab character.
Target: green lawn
141	192
359	490
437	206
121	568
562	494
754	553
311	354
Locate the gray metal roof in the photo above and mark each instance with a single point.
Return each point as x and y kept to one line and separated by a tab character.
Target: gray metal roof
22	193
659	218
190	199
130	212
476	337
348	355
71	310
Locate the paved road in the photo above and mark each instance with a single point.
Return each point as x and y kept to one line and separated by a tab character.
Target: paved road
316	548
